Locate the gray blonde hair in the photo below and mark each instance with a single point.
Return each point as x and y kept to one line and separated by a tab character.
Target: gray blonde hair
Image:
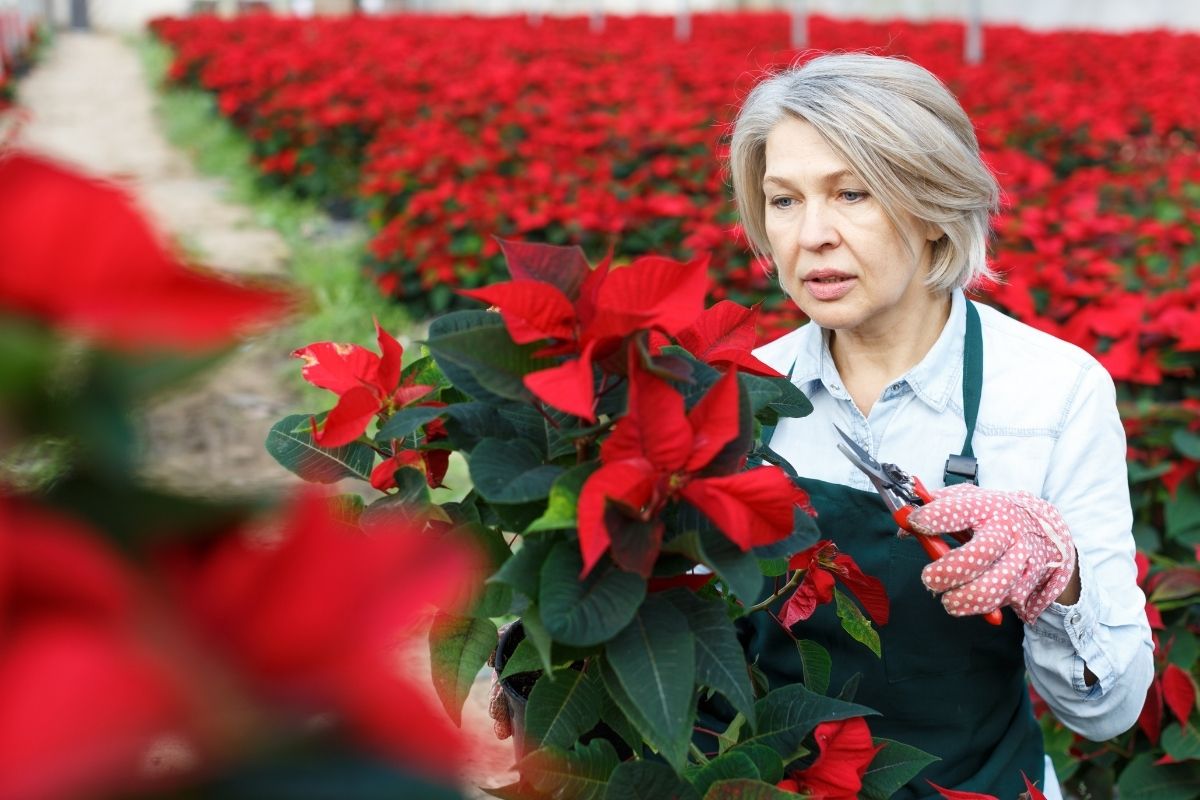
900	130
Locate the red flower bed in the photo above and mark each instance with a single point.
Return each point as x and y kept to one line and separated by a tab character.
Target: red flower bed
447	132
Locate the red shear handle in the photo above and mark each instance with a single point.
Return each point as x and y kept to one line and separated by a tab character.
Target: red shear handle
935	547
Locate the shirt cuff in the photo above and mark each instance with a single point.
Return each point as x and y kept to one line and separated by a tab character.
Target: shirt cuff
1076	625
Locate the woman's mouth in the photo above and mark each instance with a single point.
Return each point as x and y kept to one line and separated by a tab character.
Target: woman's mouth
829	286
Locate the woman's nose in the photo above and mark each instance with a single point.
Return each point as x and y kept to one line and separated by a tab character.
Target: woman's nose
817	229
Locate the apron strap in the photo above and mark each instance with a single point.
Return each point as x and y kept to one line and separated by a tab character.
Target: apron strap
964	468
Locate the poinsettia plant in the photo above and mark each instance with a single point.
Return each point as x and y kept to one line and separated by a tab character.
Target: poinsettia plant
612	431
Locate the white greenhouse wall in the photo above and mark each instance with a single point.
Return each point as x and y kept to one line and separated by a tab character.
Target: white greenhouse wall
1039	14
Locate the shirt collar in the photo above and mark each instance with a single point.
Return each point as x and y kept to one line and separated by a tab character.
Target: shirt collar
933	380
939	373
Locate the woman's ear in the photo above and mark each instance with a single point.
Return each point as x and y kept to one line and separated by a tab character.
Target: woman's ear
933	232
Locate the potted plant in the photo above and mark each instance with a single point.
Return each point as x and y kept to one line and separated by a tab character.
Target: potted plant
612	428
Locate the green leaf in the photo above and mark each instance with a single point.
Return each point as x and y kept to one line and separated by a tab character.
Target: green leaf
792	402
475	352
580	774
632	712
1186	648
855	624
1186	443
564	498
527	422
535	632
746	789
816	663
759	390
766	761
728	738
588	611
524	659
1142	779
648	780
701	542
510	472
409	504
1182	512
523	568
424	372
290	443
612	716
893	766
724	767
654	659
1176	583
1181	744
467	424
788	714
1139	472
458	649
562	706
720	659
402	424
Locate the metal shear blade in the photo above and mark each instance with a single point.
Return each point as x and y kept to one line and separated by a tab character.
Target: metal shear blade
891	486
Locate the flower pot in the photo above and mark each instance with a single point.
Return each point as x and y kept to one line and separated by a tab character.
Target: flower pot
516	689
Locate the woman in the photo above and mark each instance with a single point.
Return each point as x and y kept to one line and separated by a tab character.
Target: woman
859	177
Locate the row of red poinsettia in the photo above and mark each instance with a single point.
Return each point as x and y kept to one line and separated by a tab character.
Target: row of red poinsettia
1098	241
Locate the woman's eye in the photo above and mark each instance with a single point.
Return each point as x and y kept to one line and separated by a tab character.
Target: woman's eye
852	196
781	202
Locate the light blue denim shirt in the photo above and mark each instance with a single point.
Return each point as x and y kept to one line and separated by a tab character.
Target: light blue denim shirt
1047	424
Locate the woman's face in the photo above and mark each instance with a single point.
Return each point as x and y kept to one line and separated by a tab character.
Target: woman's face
839	257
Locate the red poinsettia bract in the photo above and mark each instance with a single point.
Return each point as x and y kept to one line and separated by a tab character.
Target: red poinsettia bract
366	384
317	612
846	750
79	256
658	453
724	335
822	564
1031	791
82	695
434	462
587	313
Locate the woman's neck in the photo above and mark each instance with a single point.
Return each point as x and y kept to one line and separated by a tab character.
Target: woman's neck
868	359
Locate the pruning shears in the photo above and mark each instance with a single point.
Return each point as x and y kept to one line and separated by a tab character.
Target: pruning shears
902	493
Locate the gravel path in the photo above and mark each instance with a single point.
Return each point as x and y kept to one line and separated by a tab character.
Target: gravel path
88	103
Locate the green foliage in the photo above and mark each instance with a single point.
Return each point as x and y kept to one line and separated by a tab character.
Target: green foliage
458	648
290	443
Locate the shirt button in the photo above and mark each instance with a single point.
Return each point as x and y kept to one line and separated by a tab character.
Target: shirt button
1075	618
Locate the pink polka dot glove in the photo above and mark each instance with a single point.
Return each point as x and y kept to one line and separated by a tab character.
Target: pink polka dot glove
1020	552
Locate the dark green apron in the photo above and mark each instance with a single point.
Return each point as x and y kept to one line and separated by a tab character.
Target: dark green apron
953	687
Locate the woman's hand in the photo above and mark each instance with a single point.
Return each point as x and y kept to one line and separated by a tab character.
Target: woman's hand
1020	552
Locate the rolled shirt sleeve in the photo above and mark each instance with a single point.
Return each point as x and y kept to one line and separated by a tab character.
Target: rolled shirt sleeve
1106	631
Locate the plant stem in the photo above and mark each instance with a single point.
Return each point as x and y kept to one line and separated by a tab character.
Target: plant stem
792	583
697	753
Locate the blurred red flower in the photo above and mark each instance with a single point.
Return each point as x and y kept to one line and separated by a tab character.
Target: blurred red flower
78	255
82	695
317	612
